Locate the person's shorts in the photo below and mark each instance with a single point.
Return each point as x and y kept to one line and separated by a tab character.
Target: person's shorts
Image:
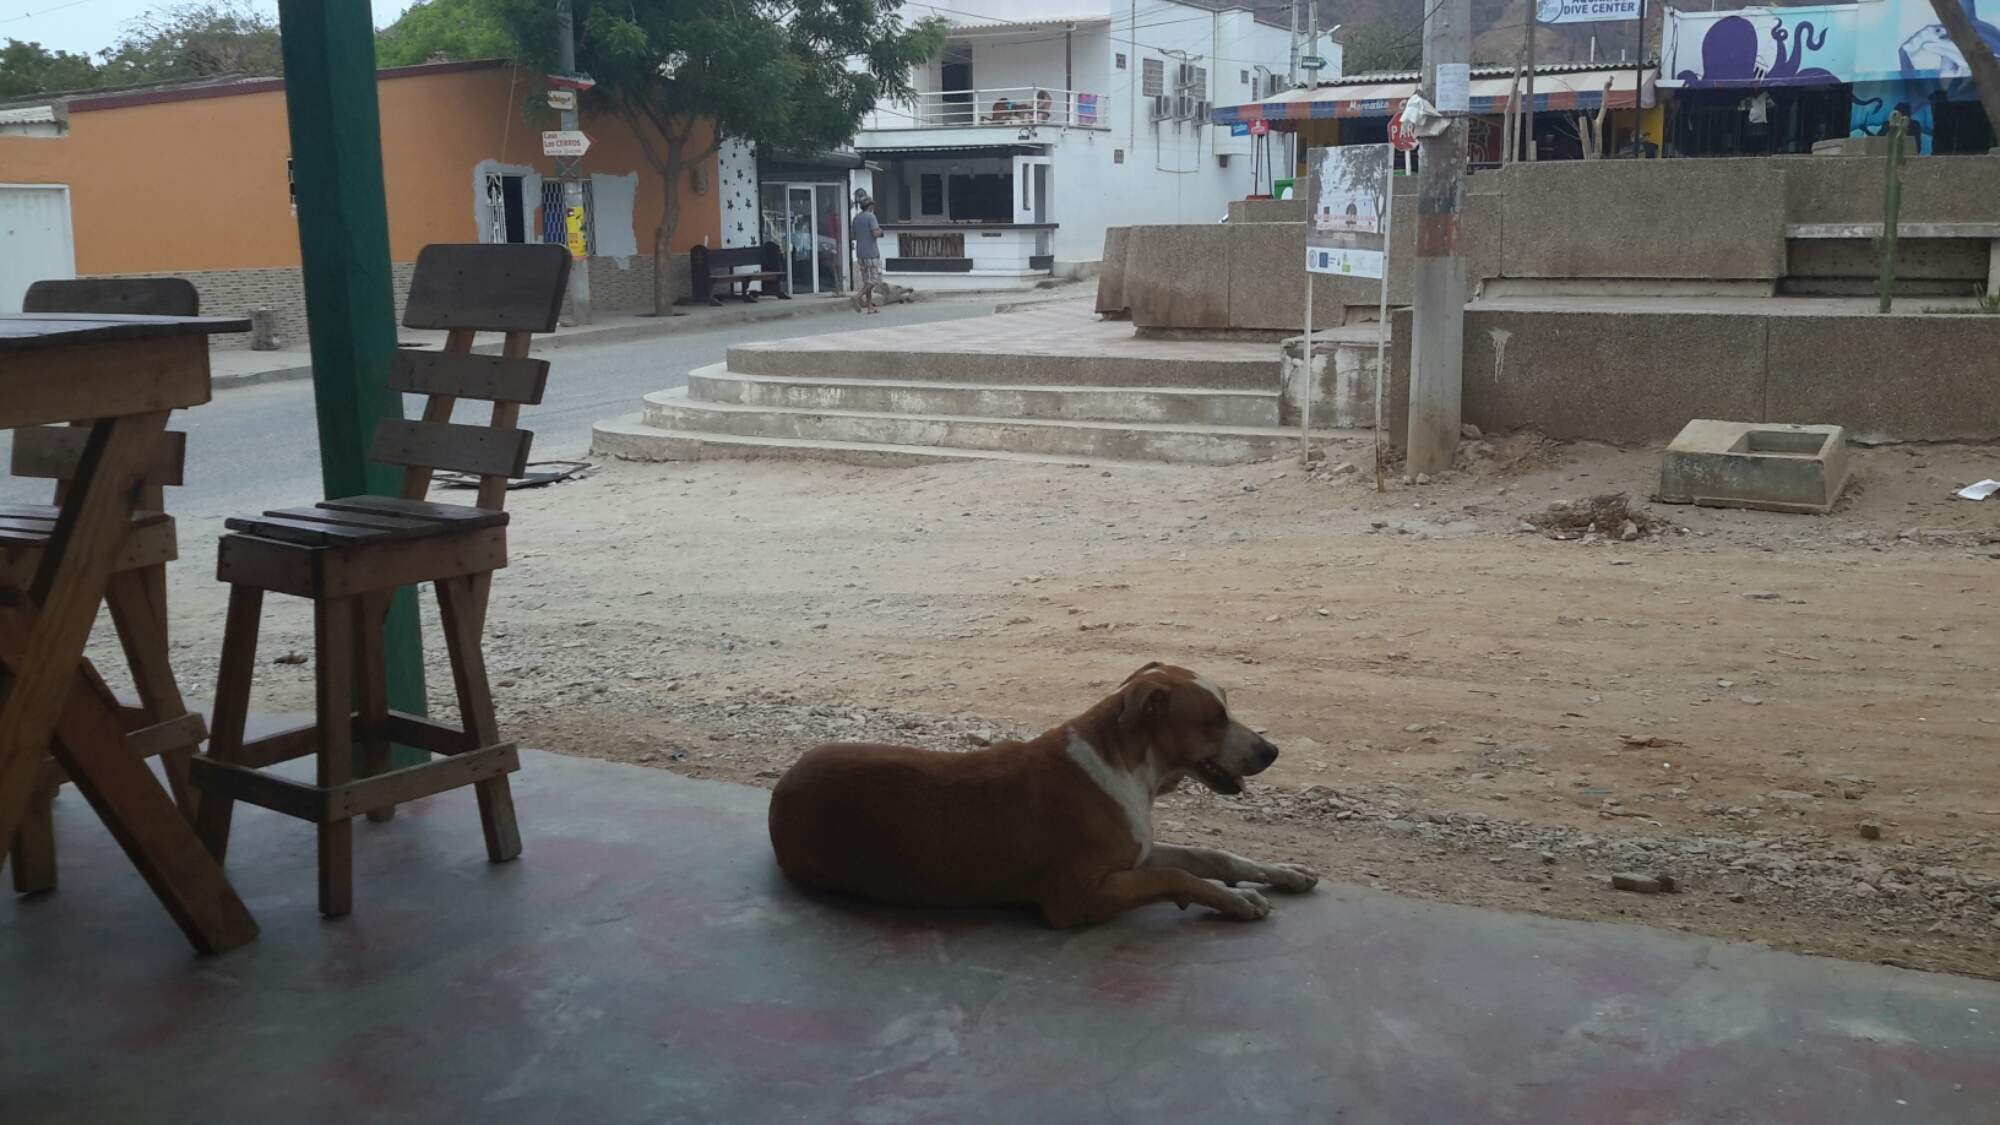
871	271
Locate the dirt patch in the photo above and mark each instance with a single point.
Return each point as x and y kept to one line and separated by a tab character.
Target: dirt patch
1611	515
1467	711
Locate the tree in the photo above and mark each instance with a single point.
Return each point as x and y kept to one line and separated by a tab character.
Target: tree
1367	48
30	68
443	31
791	76
1976	41
197	40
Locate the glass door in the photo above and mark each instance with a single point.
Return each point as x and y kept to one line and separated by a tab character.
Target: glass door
831	202
1031	189
802	243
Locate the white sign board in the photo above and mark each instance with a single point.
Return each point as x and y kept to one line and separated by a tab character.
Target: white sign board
1454	88
1586	11
1350	210
565	142
562	99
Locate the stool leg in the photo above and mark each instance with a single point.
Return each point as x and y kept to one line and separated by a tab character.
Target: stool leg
371	689
462	605
333	684
232	708
138	603
34	853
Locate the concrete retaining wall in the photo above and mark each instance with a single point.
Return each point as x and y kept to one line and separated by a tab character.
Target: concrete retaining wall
1637	377
1674	222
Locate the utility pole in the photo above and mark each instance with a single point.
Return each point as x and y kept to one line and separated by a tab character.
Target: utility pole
1437	321
570	169
1292	70
1527	102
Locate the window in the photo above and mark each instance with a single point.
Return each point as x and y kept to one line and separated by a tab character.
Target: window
1198	80
1153	84
1245	78
1117	156
931	186
1119	60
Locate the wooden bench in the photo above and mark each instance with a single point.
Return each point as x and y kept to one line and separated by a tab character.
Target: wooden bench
711	267
348	557
137	594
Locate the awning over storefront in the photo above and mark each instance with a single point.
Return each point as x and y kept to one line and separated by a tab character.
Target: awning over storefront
1383	95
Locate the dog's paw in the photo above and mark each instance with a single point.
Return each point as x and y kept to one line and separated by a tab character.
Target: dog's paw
1245	905
1290	878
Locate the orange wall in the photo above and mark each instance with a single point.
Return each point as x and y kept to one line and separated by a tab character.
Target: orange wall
199	184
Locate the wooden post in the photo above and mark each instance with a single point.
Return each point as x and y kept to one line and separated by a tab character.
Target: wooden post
336	129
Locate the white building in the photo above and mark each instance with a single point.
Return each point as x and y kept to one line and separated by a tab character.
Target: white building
1051	120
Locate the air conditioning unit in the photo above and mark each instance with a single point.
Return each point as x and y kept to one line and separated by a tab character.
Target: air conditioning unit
1201	112
1184	107
1163	108
1184	75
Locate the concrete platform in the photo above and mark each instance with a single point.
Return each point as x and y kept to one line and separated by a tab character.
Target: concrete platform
643	962
1771	467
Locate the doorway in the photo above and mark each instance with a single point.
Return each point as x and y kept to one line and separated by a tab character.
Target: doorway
36	242
809	224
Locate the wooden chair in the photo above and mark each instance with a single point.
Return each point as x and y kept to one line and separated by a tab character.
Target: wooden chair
137	597
349	556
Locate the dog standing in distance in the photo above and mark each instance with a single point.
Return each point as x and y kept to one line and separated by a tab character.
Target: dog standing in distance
1064	822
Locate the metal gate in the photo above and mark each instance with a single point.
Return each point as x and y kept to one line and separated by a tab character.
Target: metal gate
35	239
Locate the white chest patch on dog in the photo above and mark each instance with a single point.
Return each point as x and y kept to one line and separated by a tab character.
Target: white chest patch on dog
1131	792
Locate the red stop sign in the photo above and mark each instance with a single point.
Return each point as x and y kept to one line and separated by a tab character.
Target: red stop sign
1400	136
1259	127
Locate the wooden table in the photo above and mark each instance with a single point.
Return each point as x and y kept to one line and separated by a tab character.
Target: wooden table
122	375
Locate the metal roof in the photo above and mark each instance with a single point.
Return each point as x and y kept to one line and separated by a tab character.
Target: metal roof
29	115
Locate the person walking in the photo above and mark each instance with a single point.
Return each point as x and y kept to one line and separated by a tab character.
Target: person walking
867	232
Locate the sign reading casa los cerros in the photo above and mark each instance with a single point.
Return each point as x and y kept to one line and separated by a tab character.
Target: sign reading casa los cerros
1586	11
565	142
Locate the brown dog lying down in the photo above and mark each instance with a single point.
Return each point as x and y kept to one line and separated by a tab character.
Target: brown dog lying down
1064	821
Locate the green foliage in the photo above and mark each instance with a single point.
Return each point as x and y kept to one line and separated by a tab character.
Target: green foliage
174	44
444	31
774	72
30	68
196	40
1366	48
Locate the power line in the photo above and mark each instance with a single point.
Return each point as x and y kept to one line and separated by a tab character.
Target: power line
44	11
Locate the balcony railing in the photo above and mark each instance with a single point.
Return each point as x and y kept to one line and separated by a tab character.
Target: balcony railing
993	105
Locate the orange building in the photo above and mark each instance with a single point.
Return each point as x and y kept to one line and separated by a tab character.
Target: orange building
193	180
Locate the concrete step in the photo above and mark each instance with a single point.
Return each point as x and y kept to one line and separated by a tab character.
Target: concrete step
1078	368
630	439
1179	405
1061	438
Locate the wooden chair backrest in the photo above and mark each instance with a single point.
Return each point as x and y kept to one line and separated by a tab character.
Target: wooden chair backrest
513	289
53	452
154	296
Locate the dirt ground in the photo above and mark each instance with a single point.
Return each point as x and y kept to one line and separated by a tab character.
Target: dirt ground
1469	710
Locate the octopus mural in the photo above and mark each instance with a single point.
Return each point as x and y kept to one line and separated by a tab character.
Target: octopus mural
1730	56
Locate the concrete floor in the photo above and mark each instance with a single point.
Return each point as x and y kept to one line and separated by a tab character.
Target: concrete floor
644	963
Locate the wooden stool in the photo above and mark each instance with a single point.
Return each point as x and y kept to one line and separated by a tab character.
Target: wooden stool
350	555
137	596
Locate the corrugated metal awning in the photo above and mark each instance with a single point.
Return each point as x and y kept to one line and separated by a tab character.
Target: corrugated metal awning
28	115
1569	89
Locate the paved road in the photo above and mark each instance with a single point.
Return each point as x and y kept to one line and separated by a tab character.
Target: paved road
257	447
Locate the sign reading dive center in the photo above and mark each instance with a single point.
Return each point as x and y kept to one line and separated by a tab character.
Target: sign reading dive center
1586	11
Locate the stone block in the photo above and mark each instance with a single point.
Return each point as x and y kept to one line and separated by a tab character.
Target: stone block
1903	377
1267	281
1172	279
1619	376
1645	218
1111	279
1936	189
1340	386
1778	467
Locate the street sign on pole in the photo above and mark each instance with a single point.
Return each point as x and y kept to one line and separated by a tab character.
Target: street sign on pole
1312	62
1400	134
562	99
1259	127
565	142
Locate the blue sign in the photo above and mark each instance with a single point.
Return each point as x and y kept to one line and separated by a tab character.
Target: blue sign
1239	129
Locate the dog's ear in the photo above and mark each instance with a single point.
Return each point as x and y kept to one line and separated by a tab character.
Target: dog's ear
1145	704
1147	667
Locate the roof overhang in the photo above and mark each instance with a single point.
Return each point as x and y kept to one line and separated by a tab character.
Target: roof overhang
1383	95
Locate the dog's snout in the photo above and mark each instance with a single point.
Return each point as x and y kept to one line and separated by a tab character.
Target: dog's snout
1267	752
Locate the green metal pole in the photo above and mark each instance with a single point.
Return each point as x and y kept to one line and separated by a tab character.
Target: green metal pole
329	50
1892	207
